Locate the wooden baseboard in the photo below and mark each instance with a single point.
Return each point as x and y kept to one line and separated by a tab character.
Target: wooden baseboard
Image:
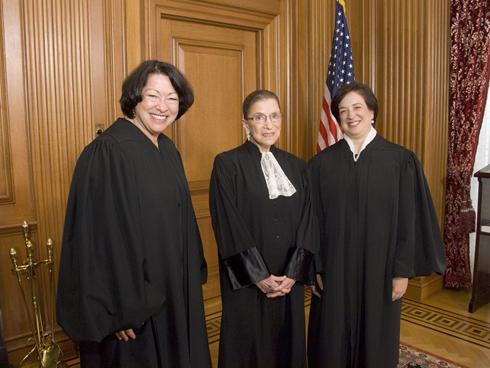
422	287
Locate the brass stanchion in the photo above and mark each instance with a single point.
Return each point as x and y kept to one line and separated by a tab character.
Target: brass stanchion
46	352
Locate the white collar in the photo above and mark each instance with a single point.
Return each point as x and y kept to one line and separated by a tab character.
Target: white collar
372	133
277	182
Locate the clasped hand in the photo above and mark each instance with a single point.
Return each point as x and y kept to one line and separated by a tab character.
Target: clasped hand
126	335
276	286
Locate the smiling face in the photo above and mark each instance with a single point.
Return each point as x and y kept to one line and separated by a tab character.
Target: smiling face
158	108
355	116
266	133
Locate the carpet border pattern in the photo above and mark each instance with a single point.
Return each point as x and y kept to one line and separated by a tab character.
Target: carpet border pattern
450	323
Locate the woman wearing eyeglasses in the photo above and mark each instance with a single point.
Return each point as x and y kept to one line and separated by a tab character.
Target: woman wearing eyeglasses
267	239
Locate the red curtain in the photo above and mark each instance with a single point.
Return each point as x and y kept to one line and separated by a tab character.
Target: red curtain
468	86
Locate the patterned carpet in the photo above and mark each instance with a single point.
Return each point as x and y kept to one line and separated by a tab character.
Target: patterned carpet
414	358
410	357
462	327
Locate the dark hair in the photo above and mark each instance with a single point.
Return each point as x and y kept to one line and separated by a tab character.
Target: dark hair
134	83
362	89
257	95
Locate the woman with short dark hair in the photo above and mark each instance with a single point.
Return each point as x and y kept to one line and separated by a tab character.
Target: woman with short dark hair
133	85
132	262
378	228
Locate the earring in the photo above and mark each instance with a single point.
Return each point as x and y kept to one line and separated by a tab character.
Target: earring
247	133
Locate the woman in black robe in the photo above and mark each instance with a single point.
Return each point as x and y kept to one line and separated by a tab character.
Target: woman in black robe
266	235
378	228
132	263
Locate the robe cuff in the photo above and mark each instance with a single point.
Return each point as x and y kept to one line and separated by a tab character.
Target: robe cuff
405	272
318	263
301	266
403	269
246	268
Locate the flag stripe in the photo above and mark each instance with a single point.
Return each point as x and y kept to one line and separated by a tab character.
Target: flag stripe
340	71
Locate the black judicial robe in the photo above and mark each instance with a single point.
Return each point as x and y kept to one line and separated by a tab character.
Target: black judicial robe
256	237
377	222
132	256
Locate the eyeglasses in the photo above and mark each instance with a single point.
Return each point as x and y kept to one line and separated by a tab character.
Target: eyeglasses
261	119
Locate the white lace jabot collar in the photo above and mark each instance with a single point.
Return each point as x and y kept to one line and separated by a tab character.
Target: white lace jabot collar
277	182
371	135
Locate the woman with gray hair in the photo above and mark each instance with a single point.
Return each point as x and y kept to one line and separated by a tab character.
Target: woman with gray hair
266	235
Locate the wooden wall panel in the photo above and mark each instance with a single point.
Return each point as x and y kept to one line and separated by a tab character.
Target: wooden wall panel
321	17
214	125
220	67
69	94
411	82
16	199
292	83
400	73
61	70
436	100
16	321
6	175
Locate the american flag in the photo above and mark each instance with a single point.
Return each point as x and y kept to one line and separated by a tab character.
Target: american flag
340	71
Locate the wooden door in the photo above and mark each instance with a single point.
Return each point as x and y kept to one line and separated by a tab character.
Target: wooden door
221	67
221	50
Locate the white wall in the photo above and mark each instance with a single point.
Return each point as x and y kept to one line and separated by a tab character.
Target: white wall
482	159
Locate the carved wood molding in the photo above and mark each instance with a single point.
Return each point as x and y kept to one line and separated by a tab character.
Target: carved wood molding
267	7
15	229
213	13
16	195
6	175
199	186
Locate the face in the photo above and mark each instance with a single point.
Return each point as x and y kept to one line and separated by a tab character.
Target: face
355	116
265	132
158	108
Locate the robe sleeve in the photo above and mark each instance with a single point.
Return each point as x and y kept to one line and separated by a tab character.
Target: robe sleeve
420	248
194	229
102	286
317	208
301	266
237	249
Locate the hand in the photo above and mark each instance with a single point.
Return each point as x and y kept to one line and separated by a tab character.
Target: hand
283	288
125	335
319	281
400	285
270	284
317	290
